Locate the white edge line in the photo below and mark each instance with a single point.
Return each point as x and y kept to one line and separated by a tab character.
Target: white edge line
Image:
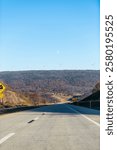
84	116
6	137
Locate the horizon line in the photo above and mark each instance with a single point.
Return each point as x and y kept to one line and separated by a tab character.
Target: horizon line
51	70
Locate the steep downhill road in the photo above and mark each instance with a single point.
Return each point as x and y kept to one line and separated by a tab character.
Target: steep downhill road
54	127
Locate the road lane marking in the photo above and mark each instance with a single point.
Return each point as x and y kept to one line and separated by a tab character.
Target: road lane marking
6	137
31	121
84	116
36	118
43	113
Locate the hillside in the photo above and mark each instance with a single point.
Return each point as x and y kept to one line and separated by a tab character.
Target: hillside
17	99
92	100
47	86
12	98
69	82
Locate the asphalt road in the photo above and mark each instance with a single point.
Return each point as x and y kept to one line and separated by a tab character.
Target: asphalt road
55	127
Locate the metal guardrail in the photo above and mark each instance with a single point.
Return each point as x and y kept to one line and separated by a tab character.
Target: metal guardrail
90	104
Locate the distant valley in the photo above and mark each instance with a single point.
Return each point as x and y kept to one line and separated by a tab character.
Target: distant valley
39	87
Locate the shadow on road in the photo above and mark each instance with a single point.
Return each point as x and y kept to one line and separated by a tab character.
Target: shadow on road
65	109
54	109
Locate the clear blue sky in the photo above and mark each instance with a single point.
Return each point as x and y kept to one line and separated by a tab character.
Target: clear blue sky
49	34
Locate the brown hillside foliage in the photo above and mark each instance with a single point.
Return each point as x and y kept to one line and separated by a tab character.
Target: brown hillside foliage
37	87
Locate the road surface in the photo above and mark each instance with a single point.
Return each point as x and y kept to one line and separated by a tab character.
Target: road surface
54	127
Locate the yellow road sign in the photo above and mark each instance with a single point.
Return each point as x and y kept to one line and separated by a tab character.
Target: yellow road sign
2	87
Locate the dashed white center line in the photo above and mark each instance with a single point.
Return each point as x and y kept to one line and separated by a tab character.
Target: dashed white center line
6	137
84	116
36	118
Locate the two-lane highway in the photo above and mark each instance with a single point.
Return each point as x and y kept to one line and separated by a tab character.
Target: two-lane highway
54	127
